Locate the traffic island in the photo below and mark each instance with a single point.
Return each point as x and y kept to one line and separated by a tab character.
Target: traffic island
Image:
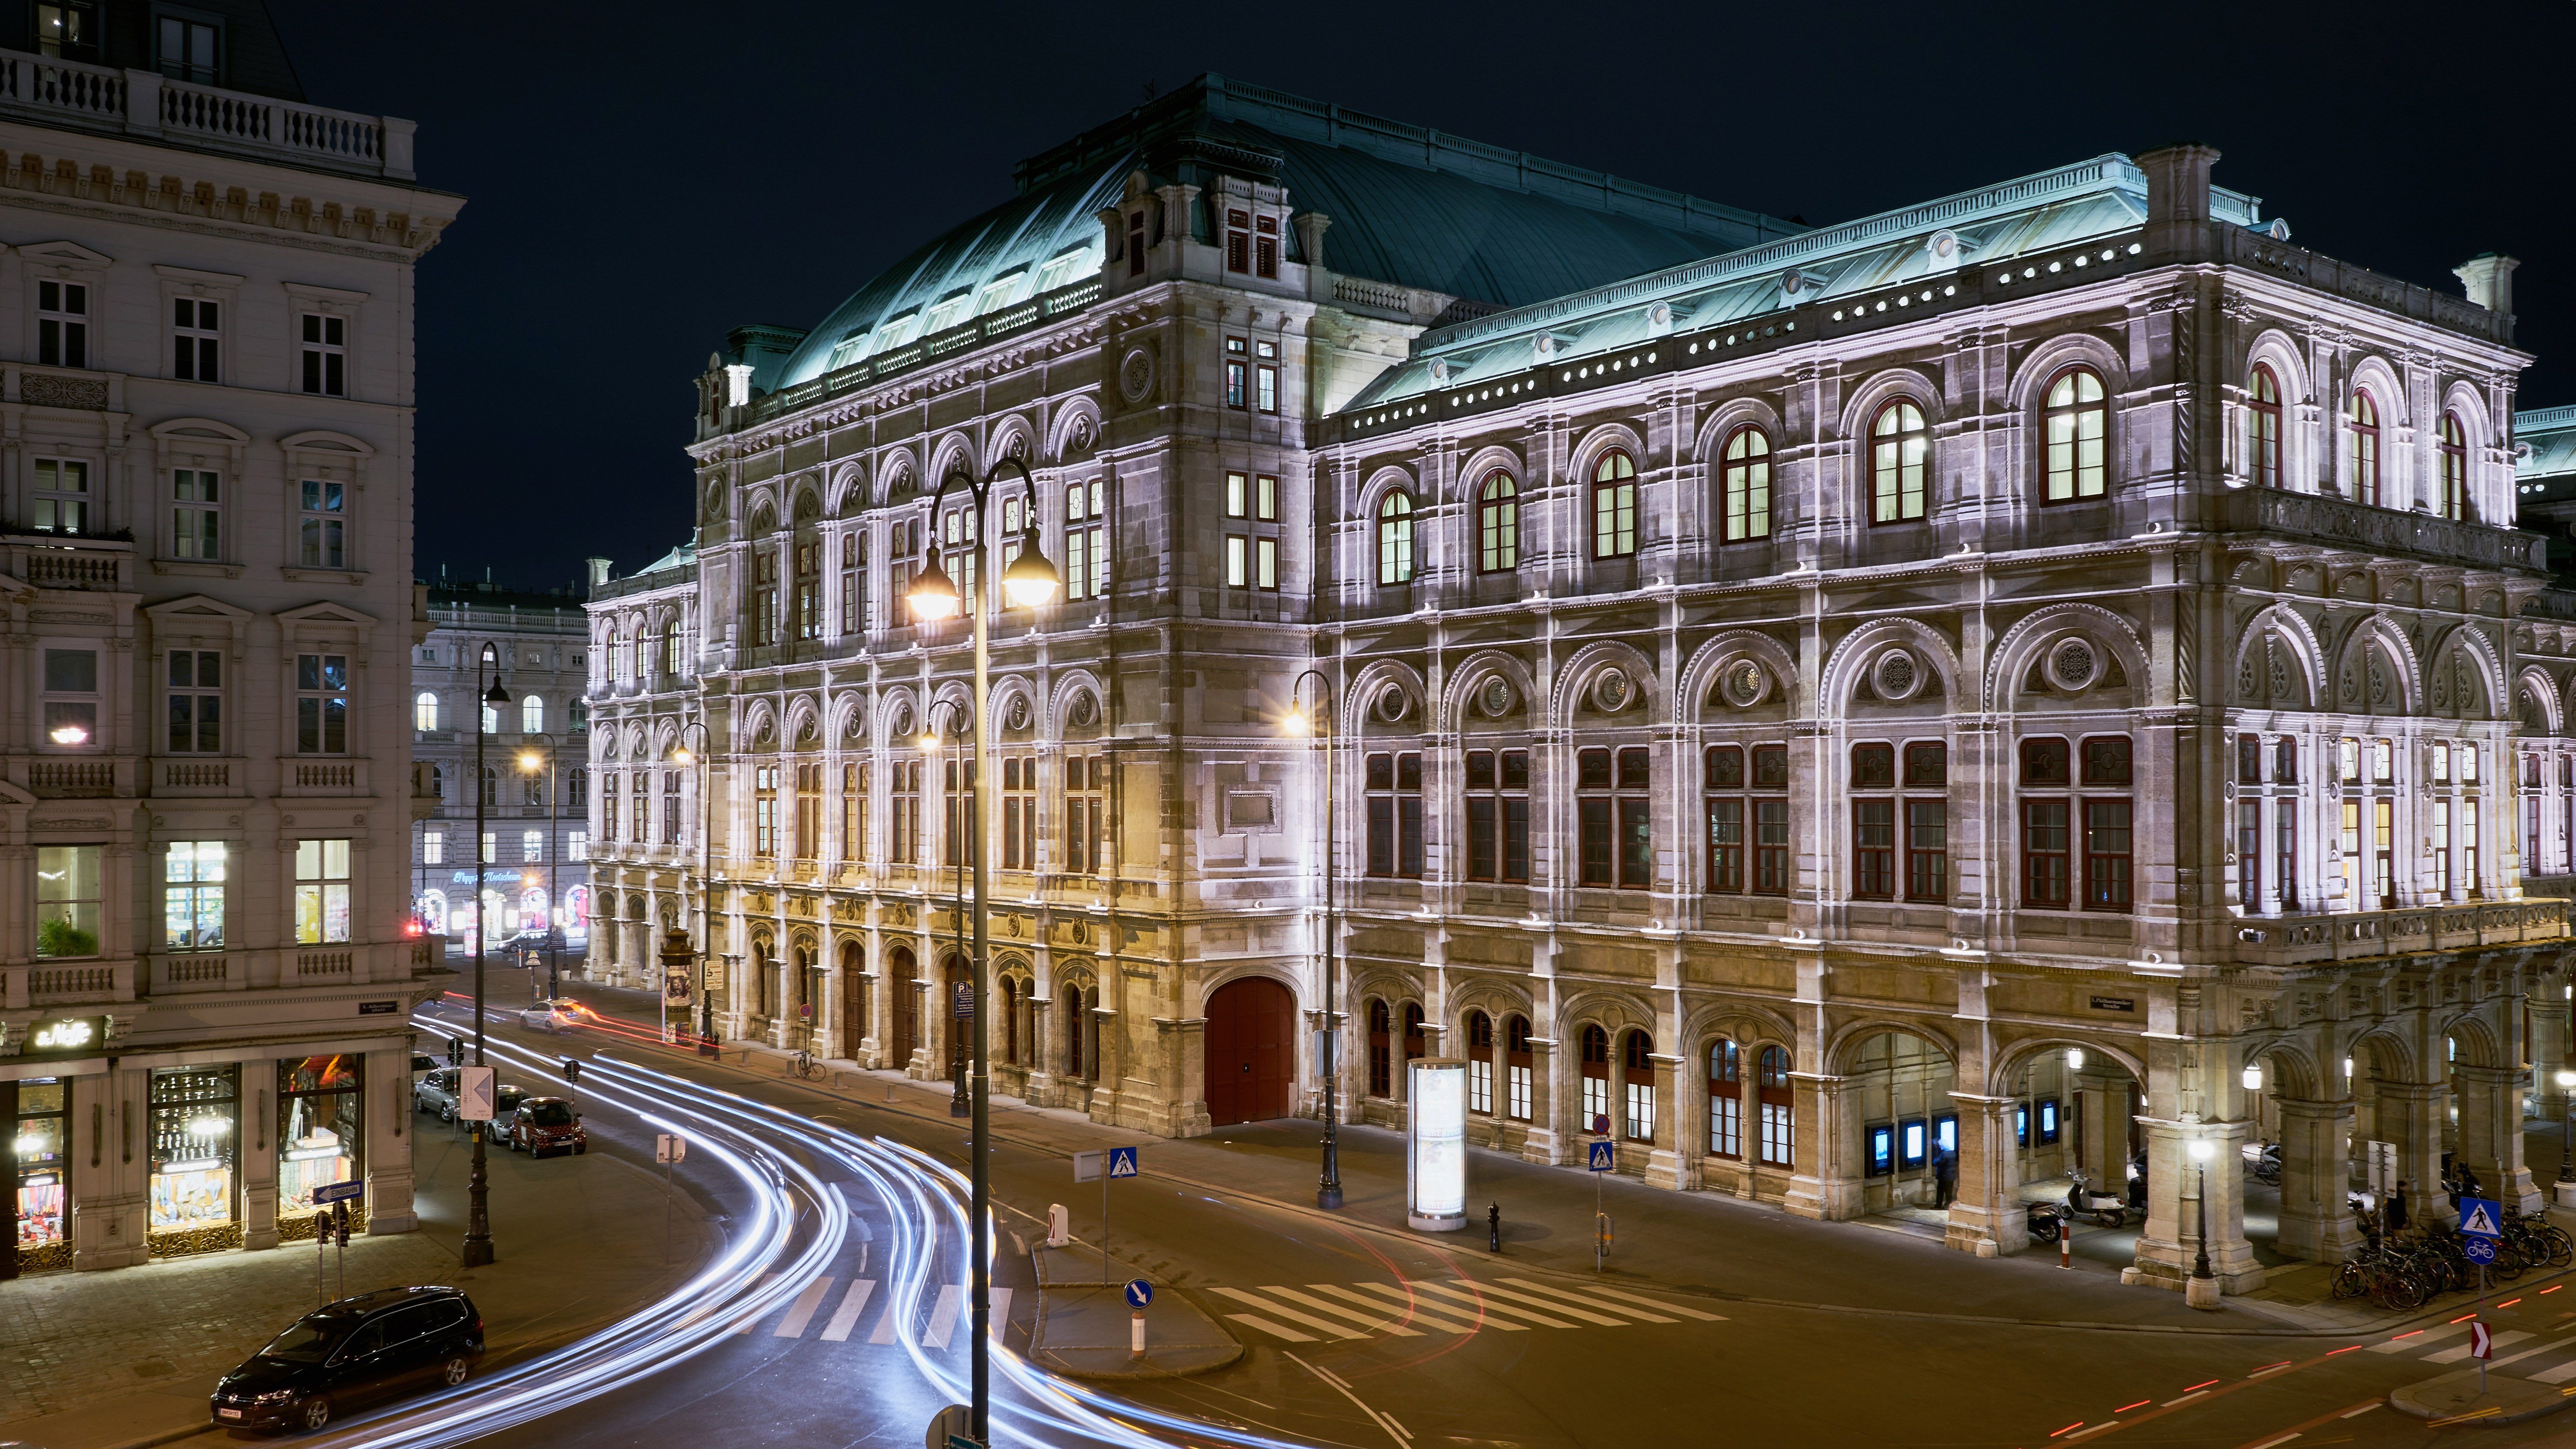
1085	1329
2456	1398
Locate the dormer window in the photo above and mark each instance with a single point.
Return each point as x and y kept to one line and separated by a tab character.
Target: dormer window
67	30
189	48
1061	268
1001	291
1265	247
1238	241
950	311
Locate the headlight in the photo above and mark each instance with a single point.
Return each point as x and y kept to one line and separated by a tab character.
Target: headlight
279	1397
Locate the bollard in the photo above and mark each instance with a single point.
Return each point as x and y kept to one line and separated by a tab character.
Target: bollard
1136	1345
2065	1243
1059	1225
1493	1227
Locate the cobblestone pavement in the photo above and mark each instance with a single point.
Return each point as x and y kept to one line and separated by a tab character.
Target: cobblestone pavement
127	1355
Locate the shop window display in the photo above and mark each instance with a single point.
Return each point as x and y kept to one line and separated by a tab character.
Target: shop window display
320	1104
34	1113
196	1132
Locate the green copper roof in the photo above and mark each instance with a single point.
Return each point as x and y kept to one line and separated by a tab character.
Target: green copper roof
1408	204
2544	461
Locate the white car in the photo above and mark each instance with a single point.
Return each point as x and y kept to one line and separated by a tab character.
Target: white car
560	1013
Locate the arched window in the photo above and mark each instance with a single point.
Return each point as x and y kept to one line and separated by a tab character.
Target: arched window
2455	469
1725	1099
1381	1068
1778	1110
2263	429
424	711
1596	1080
1637	1080
1747	482
1480	1063
1900	459
1395	538
492	787
437	782
532	715
1516	1069
2361	447
2078	421
1614	505
1498	525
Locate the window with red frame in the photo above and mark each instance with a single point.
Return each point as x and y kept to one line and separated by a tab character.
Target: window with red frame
2455	469
1725	1099
1380	1049
1637	1087
1265	246
2263	429
1615	818
1238	241
1779	1108
2361	447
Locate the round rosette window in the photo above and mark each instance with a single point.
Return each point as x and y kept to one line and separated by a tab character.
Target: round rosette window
1084	711
1743	683
1018	715
2074	664
1613	691
1495	697
1393	704
1896	675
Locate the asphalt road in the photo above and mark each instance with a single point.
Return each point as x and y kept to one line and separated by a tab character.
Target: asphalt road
1463	1349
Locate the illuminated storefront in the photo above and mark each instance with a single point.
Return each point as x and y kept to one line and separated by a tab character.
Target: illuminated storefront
321	1105
196	1160
34	1113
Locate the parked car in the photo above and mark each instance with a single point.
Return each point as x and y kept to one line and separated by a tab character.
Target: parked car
559	1013
354	1352
544	1124
437	1093
423	1062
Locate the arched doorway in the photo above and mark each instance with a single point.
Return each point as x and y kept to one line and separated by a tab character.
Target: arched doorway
904	1006
854	1000
1251	1055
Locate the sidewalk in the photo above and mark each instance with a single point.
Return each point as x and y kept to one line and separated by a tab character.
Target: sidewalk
1701	1242
127	1358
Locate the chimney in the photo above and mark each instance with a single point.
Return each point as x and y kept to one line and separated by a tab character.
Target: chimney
598	572
2488	278
2177	197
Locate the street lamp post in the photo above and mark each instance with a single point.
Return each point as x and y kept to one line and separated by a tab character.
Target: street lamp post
2566	1113
681	757
1029	582
478	1215
1328	1186
2201	1291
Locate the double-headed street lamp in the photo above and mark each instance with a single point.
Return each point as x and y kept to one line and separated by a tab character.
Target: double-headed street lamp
1028	582
1328	1186
478	1215
682	757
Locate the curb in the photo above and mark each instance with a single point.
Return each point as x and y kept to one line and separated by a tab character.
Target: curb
2403	1401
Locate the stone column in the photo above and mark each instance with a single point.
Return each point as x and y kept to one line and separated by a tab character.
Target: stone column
388	1126
257	1143
2105	1128
1665	1166
2548	1012
1825	1182
1987	1217
2491	1134
1546	1141
2170	1245
2411	1115
2316	1224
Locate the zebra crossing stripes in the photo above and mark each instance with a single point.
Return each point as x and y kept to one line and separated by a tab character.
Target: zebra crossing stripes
1462	1306
801	1312
2505	1339
947	1311
853	1302
2559	1375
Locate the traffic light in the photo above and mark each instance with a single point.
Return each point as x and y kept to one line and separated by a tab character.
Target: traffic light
572	1071
456	1051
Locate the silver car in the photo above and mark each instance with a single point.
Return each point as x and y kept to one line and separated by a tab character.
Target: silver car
560	1013
437	1093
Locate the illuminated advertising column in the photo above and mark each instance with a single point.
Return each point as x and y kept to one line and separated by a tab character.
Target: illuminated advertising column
1436	1146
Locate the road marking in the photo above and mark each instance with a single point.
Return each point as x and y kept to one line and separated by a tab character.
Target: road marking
943	1319
756	1315
1490	1291
1420	1307
2454	1355
890	1322
1446	1290
998	1311
1389	1425
1425	1319
802	1313
2105	1427
2558	1375
1375	1320
1329	1330
2357	1413
1592	1302
1266	1326
2407	1343
2528	1352
2185	1399
852	1303
2268	1443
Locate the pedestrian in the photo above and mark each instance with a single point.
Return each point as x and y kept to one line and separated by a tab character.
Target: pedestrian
1945	1175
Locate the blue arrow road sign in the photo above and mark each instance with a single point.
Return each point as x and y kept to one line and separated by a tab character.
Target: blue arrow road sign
1122	1162
1601	1155
338	1192
2481	1217
1139	1292
2480	1250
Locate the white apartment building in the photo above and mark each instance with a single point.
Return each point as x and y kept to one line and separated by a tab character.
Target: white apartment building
206	321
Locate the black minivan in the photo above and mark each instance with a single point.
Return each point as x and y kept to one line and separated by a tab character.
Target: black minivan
353	1352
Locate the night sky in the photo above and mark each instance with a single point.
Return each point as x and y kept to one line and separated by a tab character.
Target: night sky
641	178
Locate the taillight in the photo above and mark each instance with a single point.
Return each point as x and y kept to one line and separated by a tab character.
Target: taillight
478	1325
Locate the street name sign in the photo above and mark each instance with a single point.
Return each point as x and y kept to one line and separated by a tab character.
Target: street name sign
474	1095
2481	1217
1603	1155
338	1192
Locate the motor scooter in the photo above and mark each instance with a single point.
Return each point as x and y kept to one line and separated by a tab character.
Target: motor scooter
2108	1209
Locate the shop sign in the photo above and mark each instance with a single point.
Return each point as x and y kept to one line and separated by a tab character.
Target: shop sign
65	1036
2115	1003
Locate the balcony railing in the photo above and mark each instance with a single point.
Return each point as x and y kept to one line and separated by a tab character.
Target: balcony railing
69	561
2359	935
2341	523
148	104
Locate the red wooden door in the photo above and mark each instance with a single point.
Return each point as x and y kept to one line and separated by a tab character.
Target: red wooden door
1251	1060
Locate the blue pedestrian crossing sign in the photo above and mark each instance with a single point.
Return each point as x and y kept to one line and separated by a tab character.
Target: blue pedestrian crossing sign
2481	1217
1139	1293
1601	1158
1122	1162
2480	1250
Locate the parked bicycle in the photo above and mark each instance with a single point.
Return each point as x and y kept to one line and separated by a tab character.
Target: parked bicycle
805	1066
